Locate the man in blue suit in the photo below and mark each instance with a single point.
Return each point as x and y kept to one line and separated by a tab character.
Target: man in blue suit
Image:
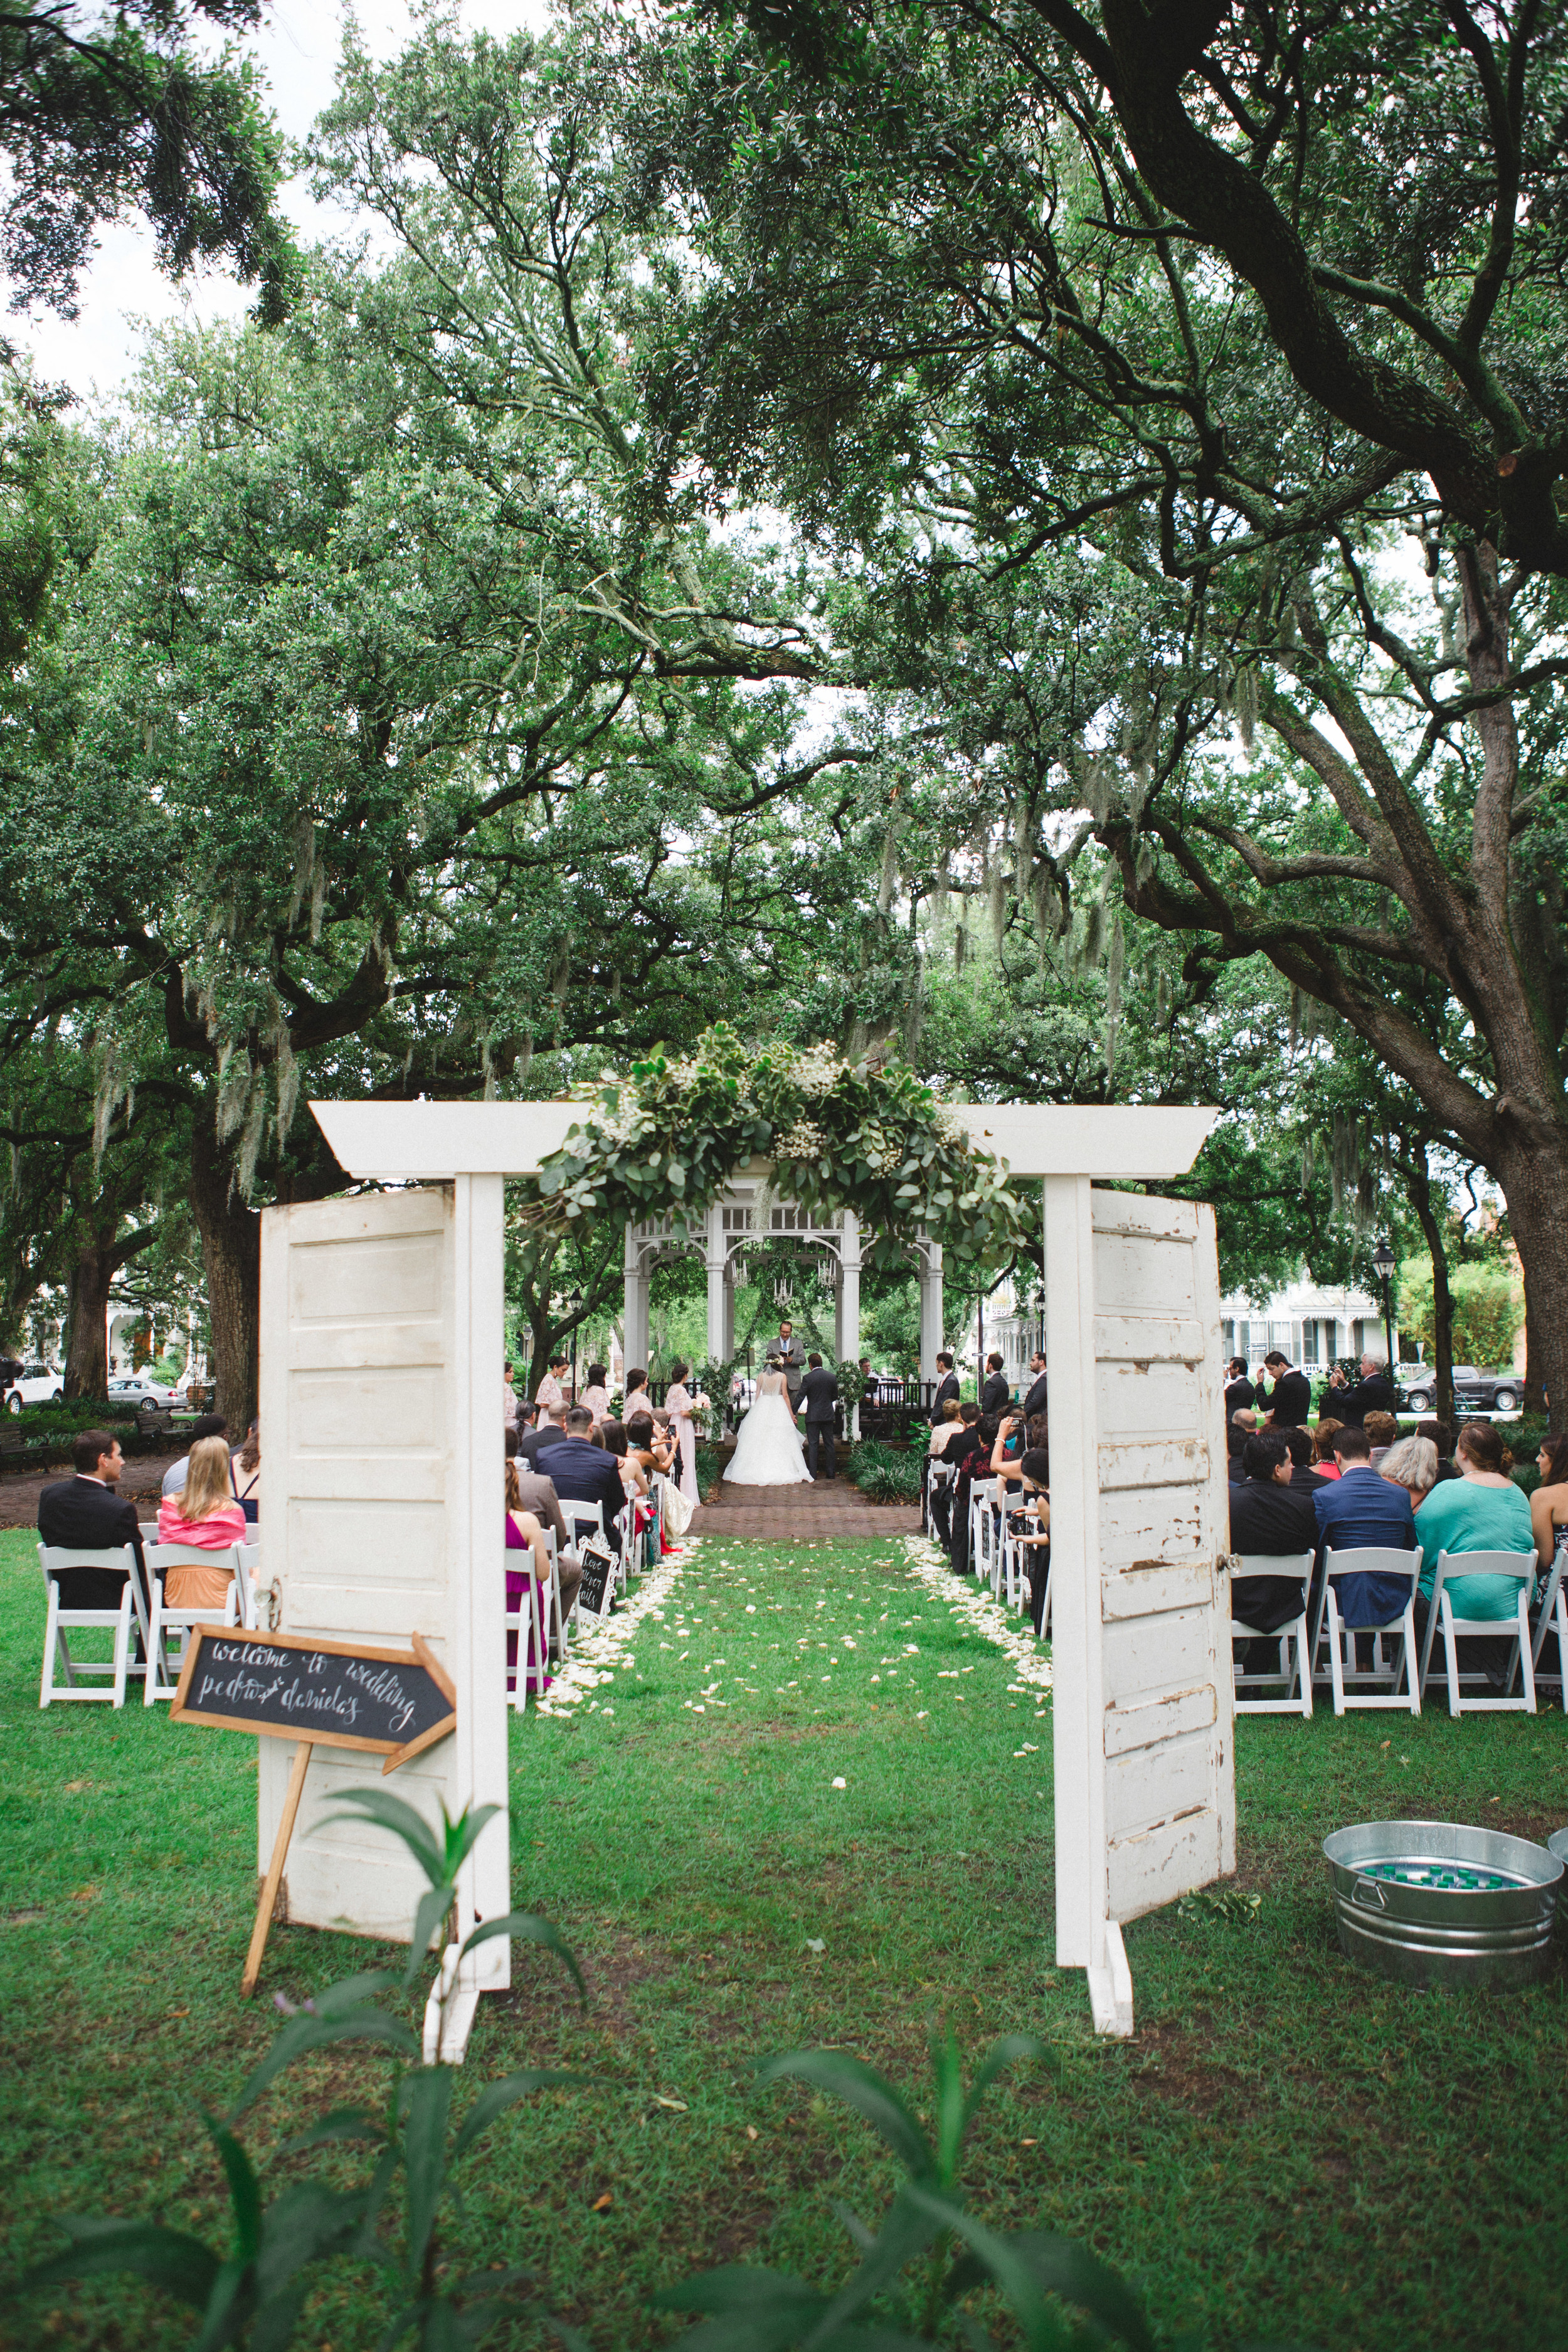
1358	1510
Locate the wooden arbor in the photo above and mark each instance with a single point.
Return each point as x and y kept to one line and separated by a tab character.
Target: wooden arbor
382	1352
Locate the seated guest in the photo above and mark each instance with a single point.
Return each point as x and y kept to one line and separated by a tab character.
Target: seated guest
1481	1510
524	1534
1305	1477
548	1432
245	1474
1549	1504
1241	1426
1382	1432
581	1472
1364	1512
654	1447
972	1460
1036	1534
85	1514
211	1424
637	1400
613	1438
1037	1432
1324	1460
596	1396
205	1515
537	1494
1268	1517
944	1430
1411	1464
1008	1452
1442	1437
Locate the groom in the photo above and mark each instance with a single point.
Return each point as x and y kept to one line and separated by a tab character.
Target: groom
819	1394
792	1360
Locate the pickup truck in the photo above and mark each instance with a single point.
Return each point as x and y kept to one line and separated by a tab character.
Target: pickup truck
1474	1392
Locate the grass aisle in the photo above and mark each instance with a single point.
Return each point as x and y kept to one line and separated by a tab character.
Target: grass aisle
1287	2149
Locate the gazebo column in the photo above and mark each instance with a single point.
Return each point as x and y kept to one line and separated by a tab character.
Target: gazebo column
716	1256
636	1323
848	1316
729	1347
931	1306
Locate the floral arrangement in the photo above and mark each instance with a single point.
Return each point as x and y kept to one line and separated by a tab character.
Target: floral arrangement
841	1135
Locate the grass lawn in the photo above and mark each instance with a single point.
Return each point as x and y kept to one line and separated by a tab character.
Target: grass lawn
1287	2150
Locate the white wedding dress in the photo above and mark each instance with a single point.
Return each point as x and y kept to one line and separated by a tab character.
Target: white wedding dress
768	1451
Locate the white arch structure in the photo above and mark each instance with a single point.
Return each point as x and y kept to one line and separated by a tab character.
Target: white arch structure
382	1351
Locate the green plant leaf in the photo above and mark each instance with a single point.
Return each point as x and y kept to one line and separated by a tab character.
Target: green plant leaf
181	2265
429	2104
344	2123
394	1813
434	1905
304	2033
1001	2257
1008	2052
862	2088
529	1928
244	2190
1063	2267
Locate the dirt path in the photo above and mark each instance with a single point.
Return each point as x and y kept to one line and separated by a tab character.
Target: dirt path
141	1482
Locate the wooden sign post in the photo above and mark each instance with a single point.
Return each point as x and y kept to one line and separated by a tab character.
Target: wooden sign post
391	1703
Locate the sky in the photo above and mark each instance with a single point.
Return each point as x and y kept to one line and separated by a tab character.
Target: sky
298	49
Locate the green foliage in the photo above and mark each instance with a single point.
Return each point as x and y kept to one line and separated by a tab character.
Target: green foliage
885	1473
842	1135
1488	1308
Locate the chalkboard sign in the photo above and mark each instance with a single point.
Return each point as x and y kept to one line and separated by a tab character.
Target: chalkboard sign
336	1694
598	1578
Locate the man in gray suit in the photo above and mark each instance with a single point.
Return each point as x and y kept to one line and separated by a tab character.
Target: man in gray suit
819	1391
790	1355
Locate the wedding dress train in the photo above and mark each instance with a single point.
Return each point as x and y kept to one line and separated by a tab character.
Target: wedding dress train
768	1451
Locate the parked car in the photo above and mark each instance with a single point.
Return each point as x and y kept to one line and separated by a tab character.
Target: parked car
135	1388
1474	1392
34	1384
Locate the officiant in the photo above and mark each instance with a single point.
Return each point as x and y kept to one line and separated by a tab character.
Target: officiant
790	1355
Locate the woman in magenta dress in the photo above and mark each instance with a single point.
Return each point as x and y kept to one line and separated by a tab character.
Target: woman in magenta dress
525	1543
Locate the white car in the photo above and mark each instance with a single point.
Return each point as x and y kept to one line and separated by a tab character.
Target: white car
35	1384
135	1388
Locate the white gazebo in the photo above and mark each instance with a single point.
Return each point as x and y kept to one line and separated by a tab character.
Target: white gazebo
746	1214
382	1347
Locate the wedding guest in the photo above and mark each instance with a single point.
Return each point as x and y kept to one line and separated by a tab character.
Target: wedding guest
654	1447
637	1400
946	1428
1483	1510
1361	1512
683	1408
1035	1537
996	1396
539	1497
1290	1400
1442	1437
1382	1432
525	1535
613	1438
1373	1393
1239	1393
1325	1459
1036	1401
1411	1464
205	1514
548	1431
581	1472
86	1512
596	1396
1305	1478
1267	1519
245	1474
211	1424
551	1393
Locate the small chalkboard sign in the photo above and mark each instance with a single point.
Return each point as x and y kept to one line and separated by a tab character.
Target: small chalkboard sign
335	1693
597	1588
321	1693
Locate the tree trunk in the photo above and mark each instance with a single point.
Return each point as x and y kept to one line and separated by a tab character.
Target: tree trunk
87	1355
231	1255
1534	1179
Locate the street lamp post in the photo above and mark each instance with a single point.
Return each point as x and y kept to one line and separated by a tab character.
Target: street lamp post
573	1308
1384	1261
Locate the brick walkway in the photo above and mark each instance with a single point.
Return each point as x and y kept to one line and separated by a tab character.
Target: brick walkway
829	1508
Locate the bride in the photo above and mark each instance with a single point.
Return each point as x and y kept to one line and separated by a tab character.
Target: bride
768	1451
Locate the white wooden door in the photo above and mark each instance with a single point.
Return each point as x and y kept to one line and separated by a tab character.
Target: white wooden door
381	1514
1142	1693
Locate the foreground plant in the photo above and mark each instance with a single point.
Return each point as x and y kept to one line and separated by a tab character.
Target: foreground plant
255	2294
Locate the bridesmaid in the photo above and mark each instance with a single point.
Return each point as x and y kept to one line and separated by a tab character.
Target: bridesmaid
682	1408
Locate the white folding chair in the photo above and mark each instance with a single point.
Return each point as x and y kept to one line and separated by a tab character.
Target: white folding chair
1290	1568
1552	1618
527	1622
1384	1674
165	1619
982	1502
1456	1564
246	1575
54	1559
1010	1552
941	1474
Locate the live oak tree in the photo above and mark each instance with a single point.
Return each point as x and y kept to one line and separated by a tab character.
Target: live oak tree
1182	352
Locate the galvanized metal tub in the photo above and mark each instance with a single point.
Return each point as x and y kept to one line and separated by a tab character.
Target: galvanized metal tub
1435	1903
1557	1843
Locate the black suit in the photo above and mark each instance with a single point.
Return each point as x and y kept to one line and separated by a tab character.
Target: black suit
1273	1520
1289	1400
1240	1396
819	1393
1352	1405
581	1472
536	1440
945	1387
83	1514
1036	1401
997	1395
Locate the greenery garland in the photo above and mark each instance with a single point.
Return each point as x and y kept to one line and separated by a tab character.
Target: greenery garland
841	1135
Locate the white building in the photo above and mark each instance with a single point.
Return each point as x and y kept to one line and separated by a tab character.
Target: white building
1312	1322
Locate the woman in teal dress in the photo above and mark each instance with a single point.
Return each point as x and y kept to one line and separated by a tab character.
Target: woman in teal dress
1481	1510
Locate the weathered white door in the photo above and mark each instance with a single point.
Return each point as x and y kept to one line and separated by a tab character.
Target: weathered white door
1142	1694
382	1503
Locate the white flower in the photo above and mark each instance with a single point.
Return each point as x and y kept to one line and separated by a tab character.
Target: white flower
805	1141
976	1607
841	1783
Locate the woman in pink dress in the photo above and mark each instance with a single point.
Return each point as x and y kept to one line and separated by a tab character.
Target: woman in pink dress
682	1408
206	1516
